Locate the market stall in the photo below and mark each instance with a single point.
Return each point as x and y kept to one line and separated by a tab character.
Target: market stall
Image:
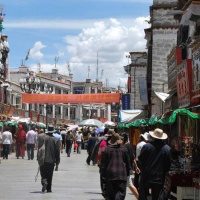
185	148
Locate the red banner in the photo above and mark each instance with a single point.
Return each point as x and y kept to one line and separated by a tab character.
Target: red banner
71	98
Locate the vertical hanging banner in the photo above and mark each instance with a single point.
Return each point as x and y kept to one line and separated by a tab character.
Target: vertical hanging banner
173	59
196	71
125	101
184	83
71	98
143	91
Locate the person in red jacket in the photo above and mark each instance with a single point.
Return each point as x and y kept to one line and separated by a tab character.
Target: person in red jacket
20	137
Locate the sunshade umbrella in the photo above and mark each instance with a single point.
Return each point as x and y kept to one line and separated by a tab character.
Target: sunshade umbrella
72	127
99	130
109	123
41	125
91	122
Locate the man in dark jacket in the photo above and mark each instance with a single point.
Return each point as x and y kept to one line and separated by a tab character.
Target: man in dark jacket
155	161
115	168
52	157
91	144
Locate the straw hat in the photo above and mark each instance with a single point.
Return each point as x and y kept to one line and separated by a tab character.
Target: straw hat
158	134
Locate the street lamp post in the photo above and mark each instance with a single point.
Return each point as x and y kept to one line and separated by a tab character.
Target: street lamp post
47	90
30	84
4	50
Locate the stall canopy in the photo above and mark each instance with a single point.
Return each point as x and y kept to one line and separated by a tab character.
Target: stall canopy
155	118
132	118
127	115
172	118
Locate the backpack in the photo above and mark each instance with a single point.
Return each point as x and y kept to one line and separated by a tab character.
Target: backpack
41	155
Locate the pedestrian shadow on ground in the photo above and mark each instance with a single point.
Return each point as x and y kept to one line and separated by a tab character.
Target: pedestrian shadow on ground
38	192
93	193
96	193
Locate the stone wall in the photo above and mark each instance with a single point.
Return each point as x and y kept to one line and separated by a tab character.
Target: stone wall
140	71
164	38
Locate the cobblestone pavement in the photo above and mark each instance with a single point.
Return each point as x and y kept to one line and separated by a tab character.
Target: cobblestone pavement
75	180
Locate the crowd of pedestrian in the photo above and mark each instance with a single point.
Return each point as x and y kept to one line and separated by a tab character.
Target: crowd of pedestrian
117	162
110	151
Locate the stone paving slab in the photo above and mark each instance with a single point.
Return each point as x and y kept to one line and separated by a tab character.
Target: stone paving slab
74	180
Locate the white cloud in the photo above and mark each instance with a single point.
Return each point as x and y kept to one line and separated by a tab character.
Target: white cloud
60	24
35	52
112	41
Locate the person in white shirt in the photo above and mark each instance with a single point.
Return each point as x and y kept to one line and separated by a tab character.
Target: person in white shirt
31	138
7	141
59	137
63	133
143	140
79	140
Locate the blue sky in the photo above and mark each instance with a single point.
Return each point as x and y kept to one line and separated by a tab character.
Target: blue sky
75	31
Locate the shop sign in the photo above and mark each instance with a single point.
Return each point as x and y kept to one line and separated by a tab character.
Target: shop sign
125	101
173	59
184	83
21	113
33	115
11	111
6	109
196	70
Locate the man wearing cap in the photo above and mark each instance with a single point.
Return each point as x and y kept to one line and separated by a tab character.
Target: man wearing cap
155	161
115	168
52	157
